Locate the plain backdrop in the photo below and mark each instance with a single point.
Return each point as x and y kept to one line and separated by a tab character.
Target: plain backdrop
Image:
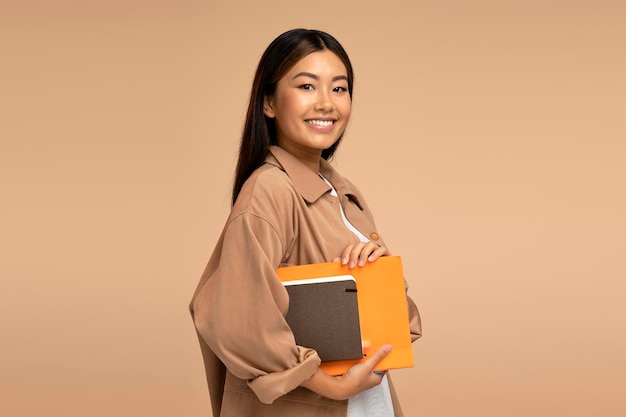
488	136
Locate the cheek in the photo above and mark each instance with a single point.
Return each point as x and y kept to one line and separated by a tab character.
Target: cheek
290	112
346	108
293	103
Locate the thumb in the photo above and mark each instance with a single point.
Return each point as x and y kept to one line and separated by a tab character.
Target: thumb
378	355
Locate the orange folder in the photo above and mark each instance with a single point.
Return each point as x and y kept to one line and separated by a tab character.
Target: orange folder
383	311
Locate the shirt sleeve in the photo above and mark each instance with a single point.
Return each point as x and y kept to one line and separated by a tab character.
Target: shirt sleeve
239	312
415	322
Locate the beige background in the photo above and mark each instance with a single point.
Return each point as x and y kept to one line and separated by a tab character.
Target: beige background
489	137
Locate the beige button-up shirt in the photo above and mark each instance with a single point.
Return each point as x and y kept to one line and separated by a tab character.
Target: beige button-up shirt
284	215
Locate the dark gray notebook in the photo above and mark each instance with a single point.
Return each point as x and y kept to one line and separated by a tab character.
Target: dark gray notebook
324	315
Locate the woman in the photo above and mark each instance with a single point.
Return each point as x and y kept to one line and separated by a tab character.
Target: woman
290	207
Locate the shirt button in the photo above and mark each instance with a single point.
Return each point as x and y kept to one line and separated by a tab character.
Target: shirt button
374	236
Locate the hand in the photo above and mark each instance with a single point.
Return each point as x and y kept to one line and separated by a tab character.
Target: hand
359	378
359	253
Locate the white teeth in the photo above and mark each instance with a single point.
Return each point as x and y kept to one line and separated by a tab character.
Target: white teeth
320	122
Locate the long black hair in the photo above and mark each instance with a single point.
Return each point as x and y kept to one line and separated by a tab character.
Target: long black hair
259	131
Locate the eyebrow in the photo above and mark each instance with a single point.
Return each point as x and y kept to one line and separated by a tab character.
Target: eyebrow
315	77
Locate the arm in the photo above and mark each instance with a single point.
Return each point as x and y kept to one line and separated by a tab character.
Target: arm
359	378
239	311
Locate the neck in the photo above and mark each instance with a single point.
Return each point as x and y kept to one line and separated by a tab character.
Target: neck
311	158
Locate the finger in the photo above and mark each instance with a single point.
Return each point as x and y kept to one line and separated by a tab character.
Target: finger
378	356
345	255
377	253
367	251
355	253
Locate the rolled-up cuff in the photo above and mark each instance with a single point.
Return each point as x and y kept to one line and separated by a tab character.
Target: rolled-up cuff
276	384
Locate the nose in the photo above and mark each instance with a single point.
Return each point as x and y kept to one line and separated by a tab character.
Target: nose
323	101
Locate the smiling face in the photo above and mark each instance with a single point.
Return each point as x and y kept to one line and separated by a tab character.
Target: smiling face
311	106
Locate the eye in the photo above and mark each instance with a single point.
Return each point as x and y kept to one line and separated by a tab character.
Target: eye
306	87
340	89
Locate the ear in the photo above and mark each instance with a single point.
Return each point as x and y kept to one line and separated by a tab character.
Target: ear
268	107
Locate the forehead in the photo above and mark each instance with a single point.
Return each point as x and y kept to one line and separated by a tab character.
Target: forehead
320	63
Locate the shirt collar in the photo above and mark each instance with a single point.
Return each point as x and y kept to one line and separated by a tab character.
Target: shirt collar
310	186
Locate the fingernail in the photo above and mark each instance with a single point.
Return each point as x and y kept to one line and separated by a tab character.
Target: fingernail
352	264
344	261
361	262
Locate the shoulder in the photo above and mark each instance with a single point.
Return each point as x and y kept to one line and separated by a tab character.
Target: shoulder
266	206
269	189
